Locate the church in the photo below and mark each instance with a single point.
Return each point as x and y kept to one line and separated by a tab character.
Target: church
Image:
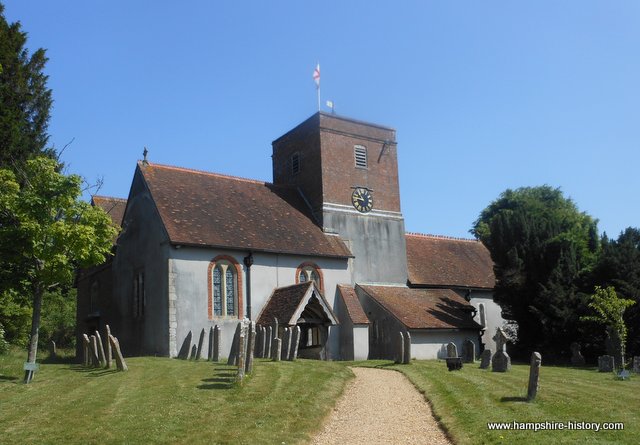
322	247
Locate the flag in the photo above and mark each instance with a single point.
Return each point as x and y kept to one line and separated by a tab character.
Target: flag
316	76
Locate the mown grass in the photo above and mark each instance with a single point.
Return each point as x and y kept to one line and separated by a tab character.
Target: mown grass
161	400
464	401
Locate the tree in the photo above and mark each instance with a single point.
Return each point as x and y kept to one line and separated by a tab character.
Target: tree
542	247
619	266
60	231
25	100
609	309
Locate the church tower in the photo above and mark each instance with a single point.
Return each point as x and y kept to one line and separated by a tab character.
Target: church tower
347	171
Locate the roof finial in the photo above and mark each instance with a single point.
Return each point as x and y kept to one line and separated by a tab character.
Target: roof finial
144	153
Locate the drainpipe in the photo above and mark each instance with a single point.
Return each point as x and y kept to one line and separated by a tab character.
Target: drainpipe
248	262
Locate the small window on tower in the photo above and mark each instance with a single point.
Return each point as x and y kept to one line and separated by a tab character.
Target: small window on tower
295	163
361	156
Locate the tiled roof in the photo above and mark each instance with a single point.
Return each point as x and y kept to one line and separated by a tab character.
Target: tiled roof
207	209
287	304
114	207
351	302
424	308
448	262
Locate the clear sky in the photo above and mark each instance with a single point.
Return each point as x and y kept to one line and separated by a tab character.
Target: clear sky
484	95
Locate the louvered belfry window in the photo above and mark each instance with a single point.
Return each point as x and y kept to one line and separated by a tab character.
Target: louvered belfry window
360	153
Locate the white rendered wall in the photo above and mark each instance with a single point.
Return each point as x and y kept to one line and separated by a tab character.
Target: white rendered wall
493	316
428	345
189	289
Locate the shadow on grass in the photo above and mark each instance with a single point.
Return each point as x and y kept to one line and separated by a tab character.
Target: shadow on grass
93	372
513	399
60	360
8	378
222	379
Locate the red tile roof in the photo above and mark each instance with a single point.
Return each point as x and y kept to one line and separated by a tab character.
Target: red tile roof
114	207
424	308
208	209
285	302
448	262
351	302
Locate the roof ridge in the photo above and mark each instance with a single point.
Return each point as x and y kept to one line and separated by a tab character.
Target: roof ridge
203	172
109	197
442	237
293	285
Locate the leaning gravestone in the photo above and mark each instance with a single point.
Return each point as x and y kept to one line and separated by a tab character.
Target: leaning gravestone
210	345
216	343
200	342
95	361
286	344
452	350
251	345
186	347
115	345
534	375
468	351
606	363
485	359
235	346
268	344
407	349
500	362
108	352
86	350
52	349
101	356
576	356
294	343
277	347
400	351
636	365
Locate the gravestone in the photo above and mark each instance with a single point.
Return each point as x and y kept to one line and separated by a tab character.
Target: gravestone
485	359
636	365
210	348
235	346
258	349
241	355
454	363
95	361
198	355
576	356
101	357
295	343
269	339
251	345
186	347
52	349
606	363
400	351
121	365
86	350
500	362
194	352
277	346
534	375
286	344
274	329
452	350
468	351
407	348
108	352
216	343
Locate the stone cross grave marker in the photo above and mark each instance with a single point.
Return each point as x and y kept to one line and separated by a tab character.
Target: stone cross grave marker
534	375
500	362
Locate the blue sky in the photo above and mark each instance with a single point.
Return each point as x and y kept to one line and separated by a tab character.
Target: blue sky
484	96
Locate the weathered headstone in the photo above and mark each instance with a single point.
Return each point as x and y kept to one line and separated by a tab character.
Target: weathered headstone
400	350
294	343
636	365
186	347
534	375
485	359
274	329
235	346
95	361
101	356
468	351
454	363
500	362
198	355
258	349
216	343
606	363
407	349
210	348
268	345
53	353
241	355
121	365
85	347
265	351
251	344
277	348
108	352
286	344
576	356
452	350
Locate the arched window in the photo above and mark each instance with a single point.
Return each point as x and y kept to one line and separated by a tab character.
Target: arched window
309	272
225	296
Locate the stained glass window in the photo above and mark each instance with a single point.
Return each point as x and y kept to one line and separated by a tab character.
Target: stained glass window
231	291
302	278
217	291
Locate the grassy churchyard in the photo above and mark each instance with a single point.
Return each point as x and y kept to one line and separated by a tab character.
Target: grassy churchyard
162	400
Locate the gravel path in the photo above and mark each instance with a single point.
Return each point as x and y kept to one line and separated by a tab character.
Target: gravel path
381	407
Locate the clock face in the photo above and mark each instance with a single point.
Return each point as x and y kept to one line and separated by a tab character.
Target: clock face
362	200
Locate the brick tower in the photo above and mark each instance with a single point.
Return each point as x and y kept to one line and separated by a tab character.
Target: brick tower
347	170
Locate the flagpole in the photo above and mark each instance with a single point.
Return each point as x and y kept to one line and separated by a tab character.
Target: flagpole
318	97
